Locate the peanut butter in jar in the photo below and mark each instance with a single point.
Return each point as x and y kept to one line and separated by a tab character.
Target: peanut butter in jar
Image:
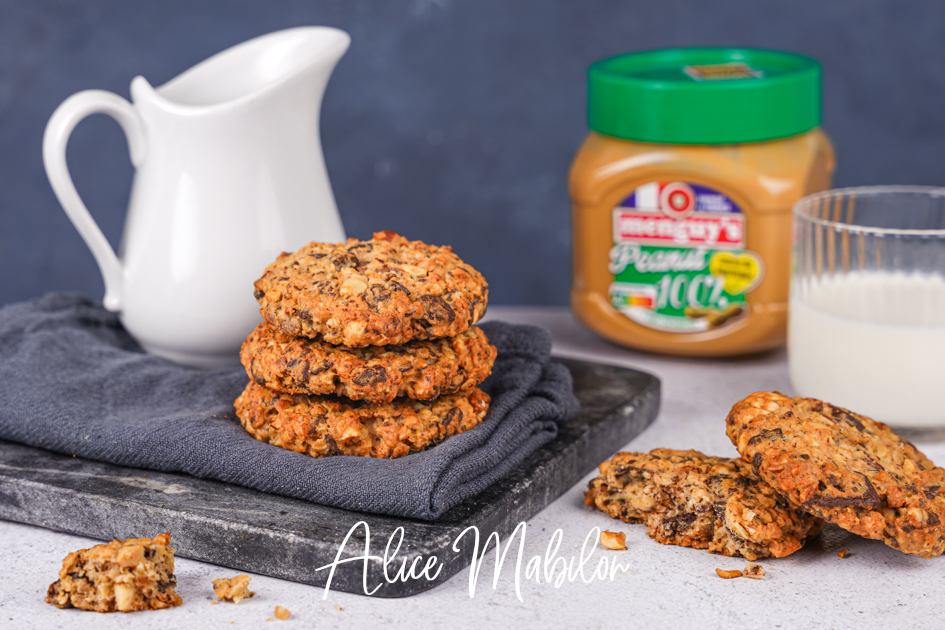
682	196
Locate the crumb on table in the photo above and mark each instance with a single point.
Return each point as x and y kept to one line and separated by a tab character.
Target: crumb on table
754	571
234	589
613	540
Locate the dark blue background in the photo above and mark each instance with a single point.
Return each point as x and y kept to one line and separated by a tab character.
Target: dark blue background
450	121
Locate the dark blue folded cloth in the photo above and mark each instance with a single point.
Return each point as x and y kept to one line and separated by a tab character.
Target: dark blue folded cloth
73	381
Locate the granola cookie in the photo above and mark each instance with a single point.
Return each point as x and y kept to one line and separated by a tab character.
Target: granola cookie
419	369
120	576
694	500
844	468
384	291
322	426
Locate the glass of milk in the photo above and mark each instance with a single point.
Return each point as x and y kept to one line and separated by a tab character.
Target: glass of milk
866	326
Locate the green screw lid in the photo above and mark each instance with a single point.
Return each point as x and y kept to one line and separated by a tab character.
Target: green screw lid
704	95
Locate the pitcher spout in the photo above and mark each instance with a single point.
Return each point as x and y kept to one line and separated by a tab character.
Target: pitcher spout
248	70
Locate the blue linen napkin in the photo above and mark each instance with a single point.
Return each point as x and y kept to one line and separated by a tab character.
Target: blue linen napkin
73	381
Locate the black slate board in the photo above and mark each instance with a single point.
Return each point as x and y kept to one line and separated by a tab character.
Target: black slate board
288	538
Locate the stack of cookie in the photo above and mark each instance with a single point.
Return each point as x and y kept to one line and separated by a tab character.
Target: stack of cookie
368	348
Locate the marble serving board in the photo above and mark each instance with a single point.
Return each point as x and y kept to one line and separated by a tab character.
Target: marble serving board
287	538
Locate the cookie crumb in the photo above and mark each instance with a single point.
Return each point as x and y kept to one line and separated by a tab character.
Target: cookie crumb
754	571
281	613
234	589
613	540
734	573
214	602
843	553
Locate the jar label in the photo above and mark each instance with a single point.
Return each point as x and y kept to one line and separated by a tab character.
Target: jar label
678	259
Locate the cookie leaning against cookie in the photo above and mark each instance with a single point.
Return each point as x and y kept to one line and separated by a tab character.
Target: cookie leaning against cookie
845	468
694	500
322	426
419	369
384	291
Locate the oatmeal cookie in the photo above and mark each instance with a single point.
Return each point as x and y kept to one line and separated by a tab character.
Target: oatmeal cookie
380	292
419	369
844	468
120	576
321	426
694	500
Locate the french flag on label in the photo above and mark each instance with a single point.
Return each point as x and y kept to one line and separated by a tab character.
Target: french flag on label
645	198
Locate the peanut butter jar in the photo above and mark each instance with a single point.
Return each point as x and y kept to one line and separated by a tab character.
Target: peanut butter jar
682	196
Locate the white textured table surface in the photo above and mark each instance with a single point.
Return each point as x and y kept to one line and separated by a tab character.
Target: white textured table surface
663	586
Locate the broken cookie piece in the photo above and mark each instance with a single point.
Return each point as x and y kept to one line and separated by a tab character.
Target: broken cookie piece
120	576
234	589
694	500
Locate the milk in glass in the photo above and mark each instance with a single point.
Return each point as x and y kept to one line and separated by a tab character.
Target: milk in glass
873	342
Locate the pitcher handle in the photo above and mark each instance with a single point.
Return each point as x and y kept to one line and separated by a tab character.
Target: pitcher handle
58	130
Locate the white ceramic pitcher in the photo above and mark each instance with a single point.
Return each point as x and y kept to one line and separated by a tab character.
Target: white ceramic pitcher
229	174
